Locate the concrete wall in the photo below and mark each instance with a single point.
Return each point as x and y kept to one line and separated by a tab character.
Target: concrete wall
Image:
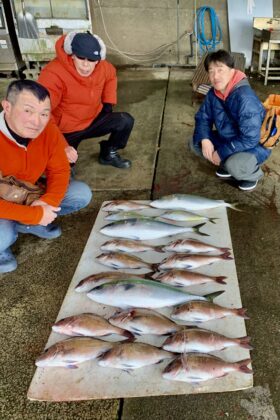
136	26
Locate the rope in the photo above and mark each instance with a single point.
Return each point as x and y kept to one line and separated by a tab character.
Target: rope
209	44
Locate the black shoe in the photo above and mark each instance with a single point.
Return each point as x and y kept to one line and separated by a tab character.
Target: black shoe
247	185
222	173
110	156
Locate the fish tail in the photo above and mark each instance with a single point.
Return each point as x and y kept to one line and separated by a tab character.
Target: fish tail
242	313
226	256
242	366
148	275
244	342
233	206
130	337
211	296
221	279
212	219
197	227
159	248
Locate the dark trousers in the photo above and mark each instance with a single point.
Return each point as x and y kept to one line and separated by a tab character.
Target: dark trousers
118	124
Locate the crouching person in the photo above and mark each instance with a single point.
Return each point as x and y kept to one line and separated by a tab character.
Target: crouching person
228	124
31	145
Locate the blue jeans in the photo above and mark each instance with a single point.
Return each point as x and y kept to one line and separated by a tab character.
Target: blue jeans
77	197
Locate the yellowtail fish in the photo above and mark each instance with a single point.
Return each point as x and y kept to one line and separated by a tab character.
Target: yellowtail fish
202	341
89	282
73	351
124	205
197	312
141	321
124	215
146	229
184	278
88	324
193	246
126	245
186	216
138	293
129	356
195	368
186	261
121	260
189	202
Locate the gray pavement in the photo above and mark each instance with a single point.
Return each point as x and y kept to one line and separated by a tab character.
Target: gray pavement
30	298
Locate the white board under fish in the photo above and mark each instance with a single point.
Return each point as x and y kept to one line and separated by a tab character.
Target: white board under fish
90	381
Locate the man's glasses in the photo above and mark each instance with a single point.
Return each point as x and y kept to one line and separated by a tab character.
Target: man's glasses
85	58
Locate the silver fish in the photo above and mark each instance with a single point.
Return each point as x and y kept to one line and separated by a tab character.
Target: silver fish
185	216
143	229
88	324
124	215
193	246
189	202
126	245
186	261
124	205
141	321
194	368
139	293
184	278
121	260
72	351
128	356
202	341
88	283
197	312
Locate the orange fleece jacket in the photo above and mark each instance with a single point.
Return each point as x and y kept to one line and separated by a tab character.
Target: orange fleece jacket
76	100
45	154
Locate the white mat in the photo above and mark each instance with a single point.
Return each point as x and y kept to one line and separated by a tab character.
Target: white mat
91	381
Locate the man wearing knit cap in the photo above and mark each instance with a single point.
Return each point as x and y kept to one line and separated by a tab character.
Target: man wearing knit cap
228	124
83	90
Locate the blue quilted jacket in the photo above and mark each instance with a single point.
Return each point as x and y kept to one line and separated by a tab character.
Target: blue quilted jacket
232	125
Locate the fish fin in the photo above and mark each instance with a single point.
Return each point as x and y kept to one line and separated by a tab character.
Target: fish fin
149	275
226	256
197	227
130	337
242	366
72	367
233	206
159	248
212	219
211	296
244	342
221	279
242	313
128	286
155	267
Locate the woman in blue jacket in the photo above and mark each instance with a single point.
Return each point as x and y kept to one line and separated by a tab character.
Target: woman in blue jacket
228	124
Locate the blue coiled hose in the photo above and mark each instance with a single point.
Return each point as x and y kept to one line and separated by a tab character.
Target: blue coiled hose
216	31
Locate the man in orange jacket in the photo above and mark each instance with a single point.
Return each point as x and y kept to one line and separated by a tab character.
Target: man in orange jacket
83	90
31	145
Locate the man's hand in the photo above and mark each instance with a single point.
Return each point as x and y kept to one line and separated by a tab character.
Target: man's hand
216	158
49	212
207	149
71	153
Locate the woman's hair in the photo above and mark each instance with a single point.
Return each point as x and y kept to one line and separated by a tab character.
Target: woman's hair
18	86
221	56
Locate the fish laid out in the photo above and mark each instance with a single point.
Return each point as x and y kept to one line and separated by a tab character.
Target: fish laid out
195	368
121	260
72	351
146	229
186	216
139	293
193	246
197	312
128	245
189	262
124	205
184	278
188	202
141	321
129	356
202	341
90	325
88	283
116	216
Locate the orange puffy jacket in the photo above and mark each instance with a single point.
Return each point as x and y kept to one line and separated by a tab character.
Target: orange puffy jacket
76	100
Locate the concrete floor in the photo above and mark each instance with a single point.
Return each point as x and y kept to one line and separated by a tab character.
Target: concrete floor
31	297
